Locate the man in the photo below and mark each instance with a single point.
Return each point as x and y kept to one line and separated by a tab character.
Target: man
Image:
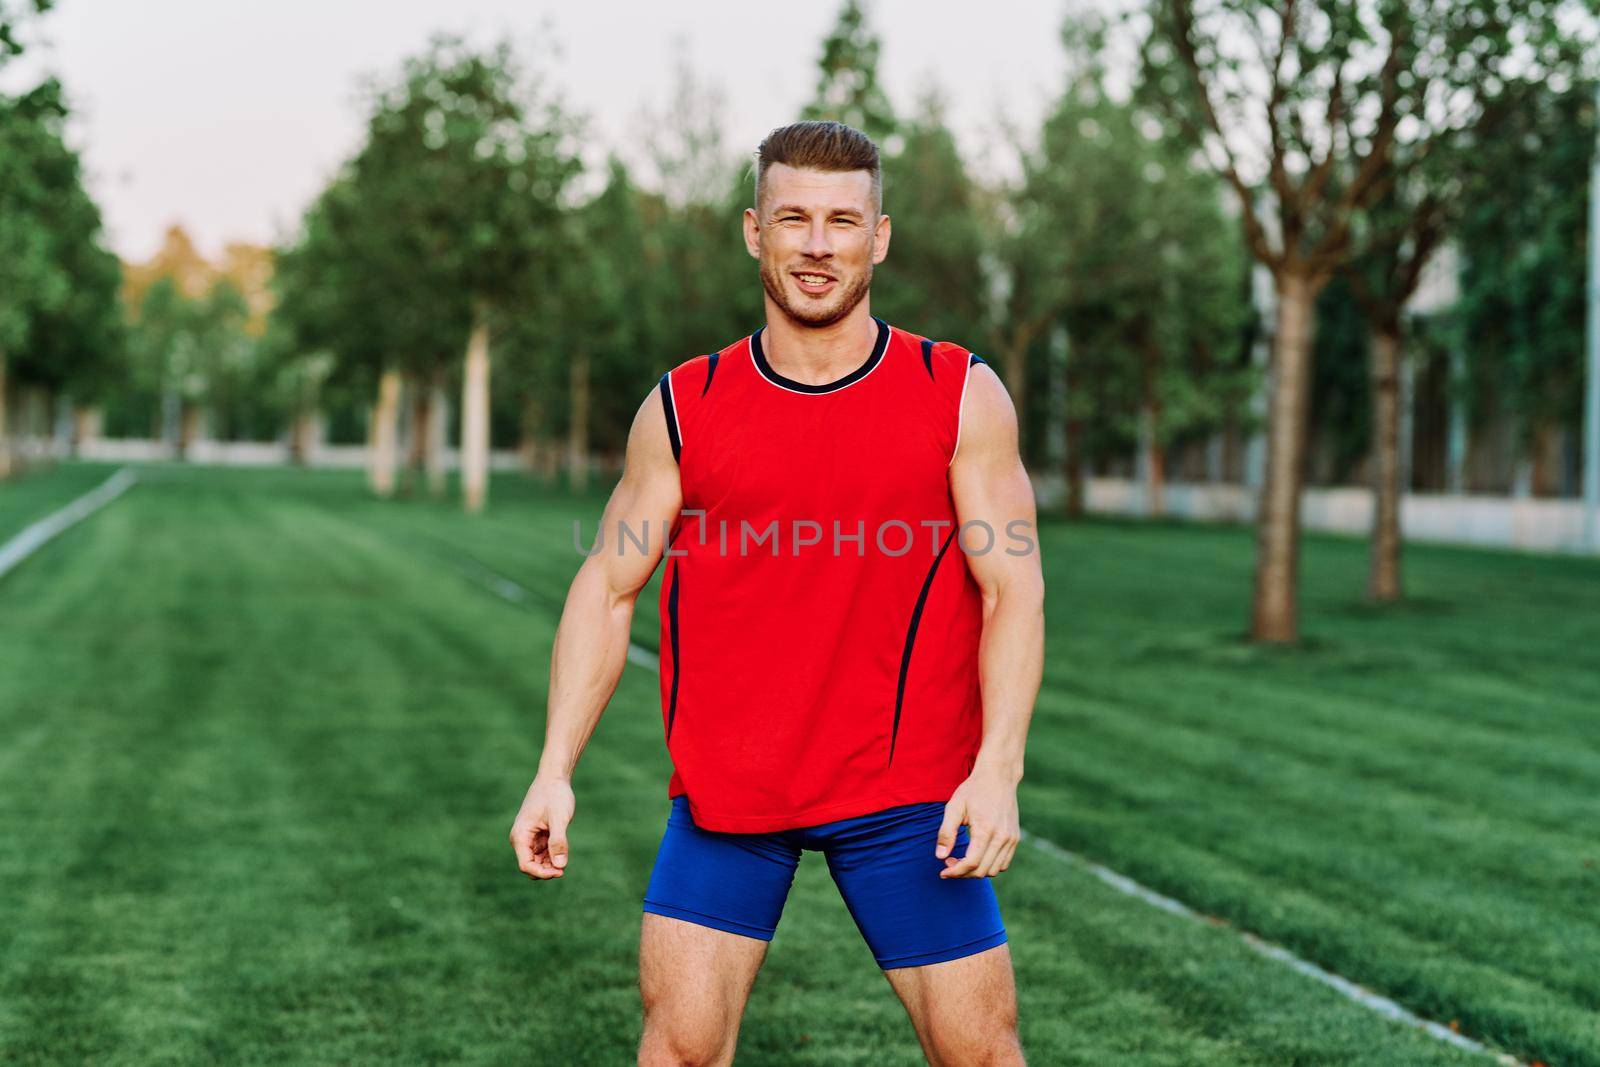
832	677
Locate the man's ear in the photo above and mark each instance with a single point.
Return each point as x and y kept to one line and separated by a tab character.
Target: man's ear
752	233
880	240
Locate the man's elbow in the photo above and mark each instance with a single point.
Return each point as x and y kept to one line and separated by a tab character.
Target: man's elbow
1030	591
1020	591
599	585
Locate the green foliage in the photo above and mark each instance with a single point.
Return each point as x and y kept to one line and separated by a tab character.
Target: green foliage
60	315
1312	103
467	158
1524	250
451	205
1126	237
15	14
1340	415
33	281
847	84
200	350
933	280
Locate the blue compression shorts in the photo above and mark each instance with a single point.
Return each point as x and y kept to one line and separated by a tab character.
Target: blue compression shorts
883	864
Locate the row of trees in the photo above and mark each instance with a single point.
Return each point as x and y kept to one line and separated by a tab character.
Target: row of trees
60	320
1353	135
1328	146
607	290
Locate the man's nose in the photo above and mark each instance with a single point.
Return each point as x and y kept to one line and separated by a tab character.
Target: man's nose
817	245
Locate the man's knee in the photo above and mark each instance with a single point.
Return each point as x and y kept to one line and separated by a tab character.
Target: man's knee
678	1037
992	1044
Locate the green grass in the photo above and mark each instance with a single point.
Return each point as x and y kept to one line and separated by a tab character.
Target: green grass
261	739
31	495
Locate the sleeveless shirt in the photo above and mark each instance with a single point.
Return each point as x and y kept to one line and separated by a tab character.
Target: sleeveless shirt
819	624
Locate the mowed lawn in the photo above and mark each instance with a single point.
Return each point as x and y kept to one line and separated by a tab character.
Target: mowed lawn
33	494
261	740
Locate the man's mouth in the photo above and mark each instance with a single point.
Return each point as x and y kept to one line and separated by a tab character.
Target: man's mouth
813	282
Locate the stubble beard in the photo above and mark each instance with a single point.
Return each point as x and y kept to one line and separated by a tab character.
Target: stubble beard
772	280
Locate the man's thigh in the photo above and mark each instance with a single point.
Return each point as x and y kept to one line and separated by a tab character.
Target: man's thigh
695	981
711	907
939	941
910	916
964	1010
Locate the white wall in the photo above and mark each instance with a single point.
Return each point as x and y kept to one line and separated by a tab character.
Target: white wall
1529	523
1505	522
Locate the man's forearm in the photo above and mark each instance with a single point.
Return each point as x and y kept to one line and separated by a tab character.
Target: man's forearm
591	649
1010	666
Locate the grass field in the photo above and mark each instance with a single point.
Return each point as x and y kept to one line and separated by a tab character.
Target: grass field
27	498
261	740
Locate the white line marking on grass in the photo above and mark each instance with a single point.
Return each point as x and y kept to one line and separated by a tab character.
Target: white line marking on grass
507	589
1358	993
40	533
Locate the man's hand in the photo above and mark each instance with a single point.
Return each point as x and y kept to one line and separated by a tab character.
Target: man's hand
539	835
987	803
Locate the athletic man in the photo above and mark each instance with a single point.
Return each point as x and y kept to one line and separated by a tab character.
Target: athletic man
833	677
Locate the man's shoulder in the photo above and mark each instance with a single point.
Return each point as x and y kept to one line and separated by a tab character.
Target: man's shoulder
938	354
692	378
700	362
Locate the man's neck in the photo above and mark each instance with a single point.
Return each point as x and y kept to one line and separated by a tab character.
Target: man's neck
816	355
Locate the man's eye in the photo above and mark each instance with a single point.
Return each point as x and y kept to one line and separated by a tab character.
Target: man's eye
791	218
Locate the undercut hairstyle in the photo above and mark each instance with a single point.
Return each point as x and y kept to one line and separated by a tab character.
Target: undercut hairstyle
820	145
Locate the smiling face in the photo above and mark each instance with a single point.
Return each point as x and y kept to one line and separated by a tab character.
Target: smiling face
817	235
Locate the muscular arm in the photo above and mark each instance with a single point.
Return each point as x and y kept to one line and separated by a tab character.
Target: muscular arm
591	643
990	486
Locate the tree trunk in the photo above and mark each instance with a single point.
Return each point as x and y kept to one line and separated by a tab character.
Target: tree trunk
433	441
188	428
1077	497
1275	614
1155	468
578	426
1154	454
305	434
87	420
1014	370
5	439
46	406
1383	576
529	448
1546	459
417	443
385	427
475	417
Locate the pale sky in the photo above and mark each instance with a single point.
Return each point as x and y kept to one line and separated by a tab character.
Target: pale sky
229	116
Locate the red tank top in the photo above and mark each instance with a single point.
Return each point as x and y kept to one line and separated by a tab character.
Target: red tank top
819	624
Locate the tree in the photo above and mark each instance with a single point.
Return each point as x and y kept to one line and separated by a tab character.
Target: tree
59	328
1140	264
934	279
199	351
468	161
582	352
15	15
1519	322
1427	183
358	286
847	84
1301	107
